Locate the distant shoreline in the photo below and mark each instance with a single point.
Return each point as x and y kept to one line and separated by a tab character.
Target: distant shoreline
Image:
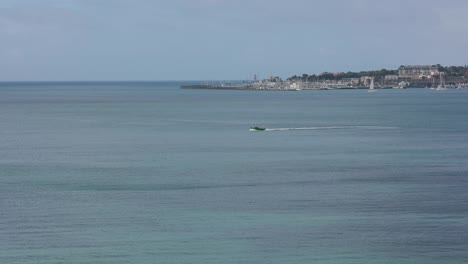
240	88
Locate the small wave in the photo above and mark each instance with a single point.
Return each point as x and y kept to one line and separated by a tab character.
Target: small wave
330	128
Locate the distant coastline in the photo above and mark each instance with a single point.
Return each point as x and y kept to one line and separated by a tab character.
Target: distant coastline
251	87
406	76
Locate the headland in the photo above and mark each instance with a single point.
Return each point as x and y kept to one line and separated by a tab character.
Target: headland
406	76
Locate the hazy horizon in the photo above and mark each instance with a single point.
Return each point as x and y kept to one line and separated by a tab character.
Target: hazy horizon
84	40
249	77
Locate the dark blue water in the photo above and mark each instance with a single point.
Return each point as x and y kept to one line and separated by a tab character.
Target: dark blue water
149	173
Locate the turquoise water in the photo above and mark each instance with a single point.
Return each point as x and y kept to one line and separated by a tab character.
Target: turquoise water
149	173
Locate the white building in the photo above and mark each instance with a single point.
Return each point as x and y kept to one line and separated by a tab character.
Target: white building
391	77
417	71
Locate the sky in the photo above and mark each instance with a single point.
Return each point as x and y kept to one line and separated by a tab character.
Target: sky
86	40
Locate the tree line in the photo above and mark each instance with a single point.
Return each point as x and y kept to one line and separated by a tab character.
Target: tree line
378	74
454	70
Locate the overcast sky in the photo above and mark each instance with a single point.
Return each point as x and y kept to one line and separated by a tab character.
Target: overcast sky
224	39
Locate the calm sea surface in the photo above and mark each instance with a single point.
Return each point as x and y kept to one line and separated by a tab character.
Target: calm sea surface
149	173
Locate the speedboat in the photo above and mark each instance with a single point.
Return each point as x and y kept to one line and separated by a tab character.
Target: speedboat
257	129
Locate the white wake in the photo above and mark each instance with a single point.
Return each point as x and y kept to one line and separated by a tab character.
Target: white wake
330	128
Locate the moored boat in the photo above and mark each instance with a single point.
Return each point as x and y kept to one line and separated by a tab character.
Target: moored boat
372	87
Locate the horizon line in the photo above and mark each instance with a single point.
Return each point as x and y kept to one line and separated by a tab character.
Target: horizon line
82	81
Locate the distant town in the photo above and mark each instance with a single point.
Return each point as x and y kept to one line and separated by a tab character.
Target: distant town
406	76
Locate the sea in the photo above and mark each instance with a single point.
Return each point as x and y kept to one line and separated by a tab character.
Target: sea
146	172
